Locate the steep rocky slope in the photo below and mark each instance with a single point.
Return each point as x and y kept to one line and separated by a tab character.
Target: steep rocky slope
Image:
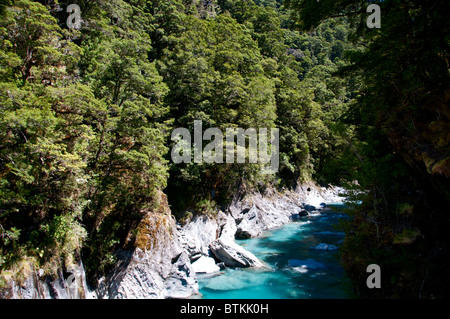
161	263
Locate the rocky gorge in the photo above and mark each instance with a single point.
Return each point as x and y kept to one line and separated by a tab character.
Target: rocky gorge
168	255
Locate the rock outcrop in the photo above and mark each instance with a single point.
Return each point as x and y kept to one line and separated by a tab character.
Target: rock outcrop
205	265
258	212
198	234
159	267
205	237
70	284
166	256
233	255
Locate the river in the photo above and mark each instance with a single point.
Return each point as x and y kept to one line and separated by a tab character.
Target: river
295	271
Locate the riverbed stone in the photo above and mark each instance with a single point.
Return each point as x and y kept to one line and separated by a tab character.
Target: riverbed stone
233	255
205	265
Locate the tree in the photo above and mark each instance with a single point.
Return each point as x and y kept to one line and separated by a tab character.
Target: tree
42	169
83	133
399	117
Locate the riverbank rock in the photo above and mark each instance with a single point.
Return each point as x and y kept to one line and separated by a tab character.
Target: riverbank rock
36	285
198	234
158	268
313	195
233	255
205	265
247	227
309	208
258	212
299	215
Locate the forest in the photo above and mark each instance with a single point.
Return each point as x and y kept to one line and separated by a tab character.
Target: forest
87	112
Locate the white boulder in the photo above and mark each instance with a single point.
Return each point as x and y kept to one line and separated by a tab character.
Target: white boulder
205	265
233	255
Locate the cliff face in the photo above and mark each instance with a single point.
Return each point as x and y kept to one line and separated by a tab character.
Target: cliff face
249	217
258	212
158	268
67	285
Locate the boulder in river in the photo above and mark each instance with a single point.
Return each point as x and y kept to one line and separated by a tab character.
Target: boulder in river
233	255
303	213
205	265
309	208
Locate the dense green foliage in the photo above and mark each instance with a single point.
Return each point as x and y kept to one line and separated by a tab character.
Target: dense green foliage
86	115
401	118
244	69
83	133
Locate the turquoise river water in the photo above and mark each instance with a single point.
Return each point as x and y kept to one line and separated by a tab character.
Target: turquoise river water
295	271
